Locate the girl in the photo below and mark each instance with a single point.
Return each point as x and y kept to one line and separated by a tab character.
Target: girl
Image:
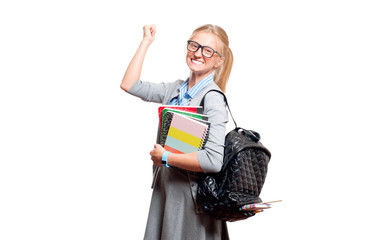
174	213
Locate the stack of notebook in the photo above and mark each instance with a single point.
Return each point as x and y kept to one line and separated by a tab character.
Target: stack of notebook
183	129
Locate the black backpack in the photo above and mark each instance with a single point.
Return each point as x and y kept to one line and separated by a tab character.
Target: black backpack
241	178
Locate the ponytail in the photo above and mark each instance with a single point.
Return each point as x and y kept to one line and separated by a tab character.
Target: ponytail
222	74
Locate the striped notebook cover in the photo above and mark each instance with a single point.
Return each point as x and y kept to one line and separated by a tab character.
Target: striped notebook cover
166	125
166	119
193	109
185	135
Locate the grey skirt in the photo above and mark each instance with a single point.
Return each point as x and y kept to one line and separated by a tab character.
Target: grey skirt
172	214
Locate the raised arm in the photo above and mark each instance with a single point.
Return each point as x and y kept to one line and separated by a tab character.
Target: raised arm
133	71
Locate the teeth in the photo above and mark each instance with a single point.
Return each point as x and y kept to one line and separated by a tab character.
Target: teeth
197	62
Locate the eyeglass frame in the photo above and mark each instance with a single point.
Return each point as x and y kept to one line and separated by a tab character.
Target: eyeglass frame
202	47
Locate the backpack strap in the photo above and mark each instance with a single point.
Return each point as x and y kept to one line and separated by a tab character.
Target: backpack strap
226	101
252	134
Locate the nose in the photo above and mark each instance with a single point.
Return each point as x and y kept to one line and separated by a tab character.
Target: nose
198	52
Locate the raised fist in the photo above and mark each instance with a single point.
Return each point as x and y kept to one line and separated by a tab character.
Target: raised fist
149	33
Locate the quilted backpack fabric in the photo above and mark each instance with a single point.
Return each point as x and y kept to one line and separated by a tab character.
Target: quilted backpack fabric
240	180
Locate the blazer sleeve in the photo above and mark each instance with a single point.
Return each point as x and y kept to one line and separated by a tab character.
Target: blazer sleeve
211	156
152	92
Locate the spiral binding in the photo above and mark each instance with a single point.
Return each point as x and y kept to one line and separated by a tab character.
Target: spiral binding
204	138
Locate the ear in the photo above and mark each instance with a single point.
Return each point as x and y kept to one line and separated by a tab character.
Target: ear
220	62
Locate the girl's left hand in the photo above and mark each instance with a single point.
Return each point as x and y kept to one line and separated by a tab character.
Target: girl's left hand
156	154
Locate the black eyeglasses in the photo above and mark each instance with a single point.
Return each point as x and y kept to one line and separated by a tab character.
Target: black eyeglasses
207	52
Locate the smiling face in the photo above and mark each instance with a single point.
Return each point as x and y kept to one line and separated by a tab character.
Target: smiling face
199	65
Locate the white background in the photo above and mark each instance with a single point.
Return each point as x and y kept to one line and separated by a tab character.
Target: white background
74	147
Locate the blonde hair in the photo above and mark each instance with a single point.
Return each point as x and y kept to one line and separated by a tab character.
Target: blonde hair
221	74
